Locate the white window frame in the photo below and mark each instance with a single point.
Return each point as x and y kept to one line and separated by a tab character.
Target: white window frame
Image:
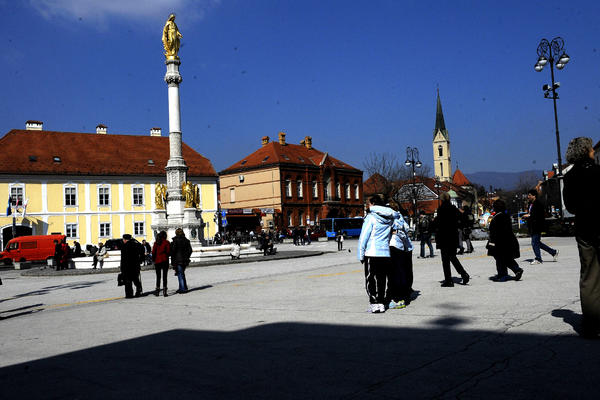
338	191
300	218
135	227
288	188
104	186
16	186
133	195
347	190
70	186
299	189
290	218
315	189
232	195
69	227
104	234
356	192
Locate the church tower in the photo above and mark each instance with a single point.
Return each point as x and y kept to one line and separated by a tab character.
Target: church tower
441	146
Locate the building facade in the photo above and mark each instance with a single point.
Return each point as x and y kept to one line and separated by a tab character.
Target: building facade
90	187
282	185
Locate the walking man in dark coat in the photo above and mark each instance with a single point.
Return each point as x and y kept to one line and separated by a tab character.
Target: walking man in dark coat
446	239
131	256
536	220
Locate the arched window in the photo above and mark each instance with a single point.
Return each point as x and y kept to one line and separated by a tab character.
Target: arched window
315	189
288	187
440	150
347	190
299	190
441	169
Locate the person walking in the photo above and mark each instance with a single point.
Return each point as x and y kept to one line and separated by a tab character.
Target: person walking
340	240
181	250
57	255
65	254
581	196
503	244
131	256
446	239
467	226
161	250
374	251
100	255
424	233
400	277
536	220
147	252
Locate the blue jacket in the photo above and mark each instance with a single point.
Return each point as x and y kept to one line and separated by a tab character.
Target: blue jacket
400	239
374	240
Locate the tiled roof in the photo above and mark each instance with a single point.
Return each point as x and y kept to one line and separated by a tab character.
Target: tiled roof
50	152
287	154
460	179
374	185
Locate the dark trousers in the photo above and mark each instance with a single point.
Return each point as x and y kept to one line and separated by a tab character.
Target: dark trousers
461	248
400	276
376	271
161	268
340	245
135	279
449	256
503	264
536	243
426	241
589	285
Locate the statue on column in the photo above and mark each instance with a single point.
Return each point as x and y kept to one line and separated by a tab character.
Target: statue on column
160	196
188	192
170	38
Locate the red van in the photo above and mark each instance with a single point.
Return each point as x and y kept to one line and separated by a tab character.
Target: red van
30	248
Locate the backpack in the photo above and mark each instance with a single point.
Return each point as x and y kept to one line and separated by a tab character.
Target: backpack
424	224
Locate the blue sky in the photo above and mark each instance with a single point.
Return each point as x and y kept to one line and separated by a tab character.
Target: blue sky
358	76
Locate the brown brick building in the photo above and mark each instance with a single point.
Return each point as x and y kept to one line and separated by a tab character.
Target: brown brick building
283	185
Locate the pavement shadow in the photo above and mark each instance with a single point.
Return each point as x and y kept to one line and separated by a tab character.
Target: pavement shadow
20	311
48	289
310	361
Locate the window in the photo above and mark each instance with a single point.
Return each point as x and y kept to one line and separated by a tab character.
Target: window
104	196
440	151
315	189
70	196
71	230
326	189
288	188
347	190
315	220
138	229
16	195
338	190
441	169
301	218
232	195
104	229
299	188
138	196
289	218
356	192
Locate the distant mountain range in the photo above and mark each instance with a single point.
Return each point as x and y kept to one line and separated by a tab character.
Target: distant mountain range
505	180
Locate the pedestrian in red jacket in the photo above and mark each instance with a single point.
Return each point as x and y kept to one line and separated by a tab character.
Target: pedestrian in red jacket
160	256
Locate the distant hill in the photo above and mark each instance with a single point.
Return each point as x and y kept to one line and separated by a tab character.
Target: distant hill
504	180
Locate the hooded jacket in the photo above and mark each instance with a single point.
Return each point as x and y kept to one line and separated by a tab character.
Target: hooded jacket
400	239
374	240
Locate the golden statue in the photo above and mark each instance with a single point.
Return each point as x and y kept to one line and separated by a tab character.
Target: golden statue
160	196
170	38
197	195
187	189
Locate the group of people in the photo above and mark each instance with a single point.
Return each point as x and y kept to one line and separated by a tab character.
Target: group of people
385	249
62	254
424	232
133	254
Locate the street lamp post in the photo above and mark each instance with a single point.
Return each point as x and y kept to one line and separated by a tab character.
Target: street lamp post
437	185
552	52
412	160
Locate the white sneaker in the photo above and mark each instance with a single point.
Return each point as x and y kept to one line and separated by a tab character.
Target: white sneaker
555	256
374	309
535	262
381	308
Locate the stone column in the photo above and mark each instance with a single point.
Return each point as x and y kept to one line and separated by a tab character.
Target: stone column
176	167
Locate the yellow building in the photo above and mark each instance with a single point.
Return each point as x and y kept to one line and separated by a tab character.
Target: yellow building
91	187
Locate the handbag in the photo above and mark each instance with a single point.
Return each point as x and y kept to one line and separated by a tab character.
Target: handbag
120	280
491	248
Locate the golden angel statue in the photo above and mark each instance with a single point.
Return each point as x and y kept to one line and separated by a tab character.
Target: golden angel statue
187	189
170	38
197	196
160	196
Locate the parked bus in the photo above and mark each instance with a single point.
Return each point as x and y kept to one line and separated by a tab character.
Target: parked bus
349	226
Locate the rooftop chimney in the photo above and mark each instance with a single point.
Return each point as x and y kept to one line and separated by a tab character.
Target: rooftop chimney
155	132
282	138
34	125
101	129
308	142
265	140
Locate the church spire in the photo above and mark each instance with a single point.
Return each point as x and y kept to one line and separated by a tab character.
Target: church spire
440	125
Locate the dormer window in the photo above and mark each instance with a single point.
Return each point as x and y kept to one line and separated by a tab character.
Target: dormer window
151	162
265	159
33	158
56	159
244	162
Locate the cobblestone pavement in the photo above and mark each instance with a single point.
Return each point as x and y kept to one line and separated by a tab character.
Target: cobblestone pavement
298	328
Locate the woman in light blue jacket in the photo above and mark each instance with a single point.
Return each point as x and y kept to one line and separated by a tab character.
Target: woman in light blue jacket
374	251
400	277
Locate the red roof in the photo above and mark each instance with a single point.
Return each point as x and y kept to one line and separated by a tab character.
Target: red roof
50	152
290	154
374	185
460	179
